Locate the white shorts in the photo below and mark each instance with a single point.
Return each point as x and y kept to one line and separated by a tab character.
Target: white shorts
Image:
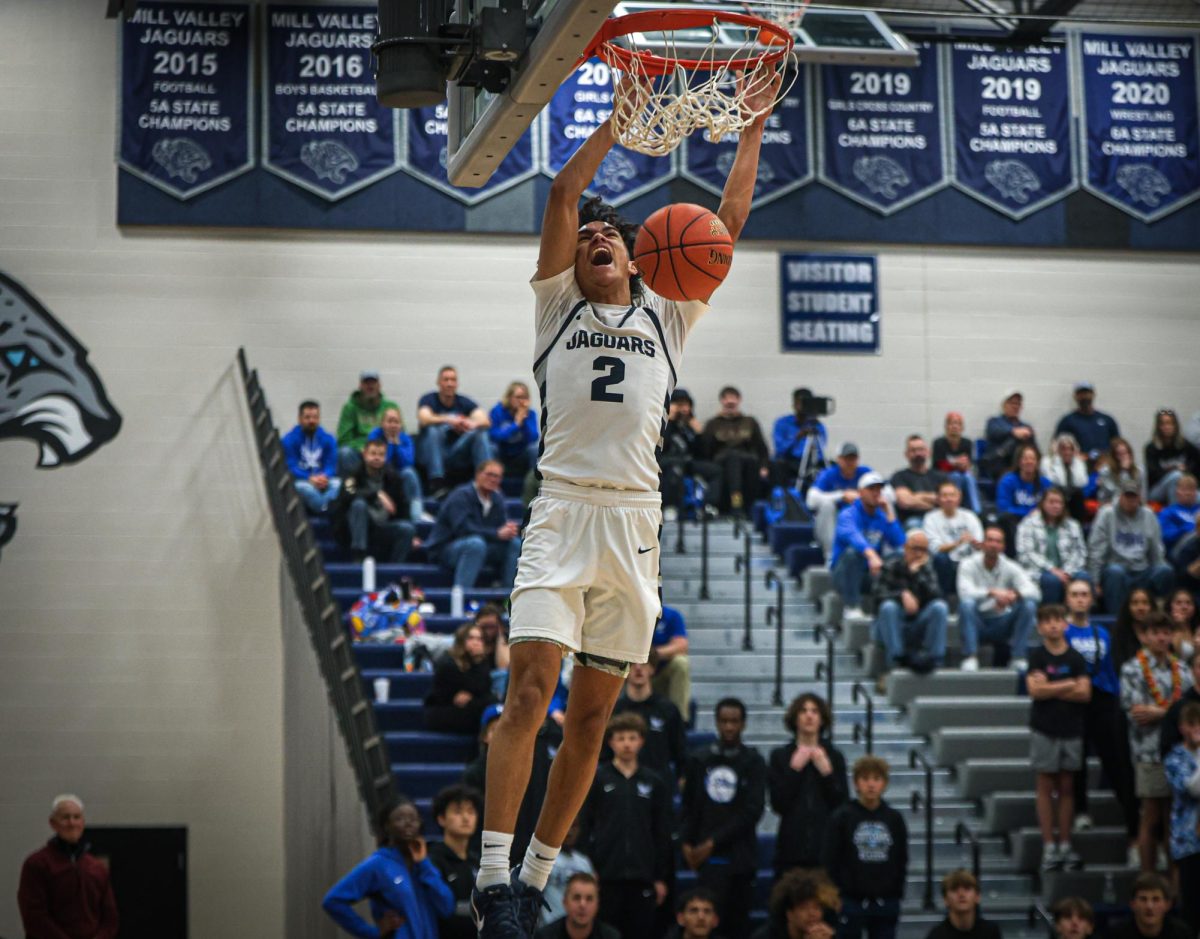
589	574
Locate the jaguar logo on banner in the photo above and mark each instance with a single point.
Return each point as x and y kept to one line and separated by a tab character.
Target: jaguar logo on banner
50	395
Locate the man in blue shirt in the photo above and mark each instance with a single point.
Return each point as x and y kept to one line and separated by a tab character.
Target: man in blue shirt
668	652
863	529
312	456
1178	520
453	431
797	436
835	488
1093	429
472	529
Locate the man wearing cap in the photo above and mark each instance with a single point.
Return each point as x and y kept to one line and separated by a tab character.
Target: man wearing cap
64	890
863	529
361	414
453	431
834	488
1125	550
916	486
1093	429
1003	433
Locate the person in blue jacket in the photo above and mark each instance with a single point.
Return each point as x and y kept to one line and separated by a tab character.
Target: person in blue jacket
863	529
1020	489
1178	520
797	436
472	529
406	892
514	430
312	456
401	456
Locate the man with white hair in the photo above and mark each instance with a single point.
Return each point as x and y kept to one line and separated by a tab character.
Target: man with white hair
65	891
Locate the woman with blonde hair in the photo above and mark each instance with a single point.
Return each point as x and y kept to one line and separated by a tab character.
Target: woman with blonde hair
514	430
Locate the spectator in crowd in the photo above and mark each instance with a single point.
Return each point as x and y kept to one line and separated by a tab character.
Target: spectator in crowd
1073	918
571	861
1182	766
665	751
835	488
1104	732
1003	434
916	486
954	535
1065	468
1093	429
581	902
960	893
360	415
1168	456
454	432
723	794
1185	560
800	441
863	529
1135	612
312	456
472	529
457	810
954	455
1116	470
1150	901
462	685
1191	430
807	781
1182	614
866	855
1020	489
406	892
912	614
1059	685
735	442
1050	545
490	619
1178	520
513	429
475	772
668	655
64	890
804	904
370	516
625	798
996	603
1169	732
1125	550
682	456
400	458
1151	682
696	917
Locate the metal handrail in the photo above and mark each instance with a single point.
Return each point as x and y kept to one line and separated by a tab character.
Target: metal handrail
1038	911
775	614
915	761
825	669
703	553
963	833
741	565
868	731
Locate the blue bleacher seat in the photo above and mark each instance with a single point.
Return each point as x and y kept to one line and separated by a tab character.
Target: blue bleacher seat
800	557
451	749
785	534
406	686
350	575
438	596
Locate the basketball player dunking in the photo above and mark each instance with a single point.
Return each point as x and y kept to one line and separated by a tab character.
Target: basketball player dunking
606	358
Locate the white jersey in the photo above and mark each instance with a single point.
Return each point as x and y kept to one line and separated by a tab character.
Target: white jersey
605	374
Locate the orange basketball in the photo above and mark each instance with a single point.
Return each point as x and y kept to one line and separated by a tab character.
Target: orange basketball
683	252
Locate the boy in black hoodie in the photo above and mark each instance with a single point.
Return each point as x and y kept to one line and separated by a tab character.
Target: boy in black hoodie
866	855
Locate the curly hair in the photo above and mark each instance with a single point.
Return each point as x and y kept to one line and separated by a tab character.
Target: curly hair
800	885
596	209
797	705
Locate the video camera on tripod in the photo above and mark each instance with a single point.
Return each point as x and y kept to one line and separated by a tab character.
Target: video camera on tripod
812	406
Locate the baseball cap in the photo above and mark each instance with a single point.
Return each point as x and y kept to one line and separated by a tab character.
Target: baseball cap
1130	488
490	713
368	375
870	479
848	449
1013	393
1084	386
679	394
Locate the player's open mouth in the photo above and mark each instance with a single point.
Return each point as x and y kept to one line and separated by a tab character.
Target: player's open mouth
601	256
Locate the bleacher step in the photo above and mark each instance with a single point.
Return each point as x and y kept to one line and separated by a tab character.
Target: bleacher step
1008	811
952	745
980	775
930	714
905	686
1100	846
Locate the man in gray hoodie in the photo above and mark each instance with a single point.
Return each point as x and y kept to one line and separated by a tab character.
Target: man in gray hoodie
1125	550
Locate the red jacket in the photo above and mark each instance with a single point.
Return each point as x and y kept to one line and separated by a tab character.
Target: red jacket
66	897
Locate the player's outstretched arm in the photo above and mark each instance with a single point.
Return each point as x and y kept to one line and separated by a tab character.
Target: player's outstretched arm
739	185
560	223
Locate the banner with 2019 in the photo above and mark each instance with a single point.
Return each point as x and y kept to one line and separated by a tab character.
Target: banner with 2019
1017	130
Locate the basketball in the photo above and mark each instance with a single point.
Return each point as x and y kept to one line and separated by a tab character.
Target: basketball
683	252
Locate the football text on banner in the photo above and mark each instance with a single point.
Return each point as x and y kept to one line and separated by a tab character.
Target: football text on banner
1141	127
323	128
185	94
786	160
883	131
1012	125
830	302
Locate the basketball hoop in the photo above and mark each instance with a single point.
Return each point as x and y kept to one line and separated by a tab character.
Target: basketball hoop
659	97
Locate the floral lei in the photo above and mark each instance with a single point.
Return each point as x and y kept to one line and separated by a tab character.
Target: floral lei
1152	685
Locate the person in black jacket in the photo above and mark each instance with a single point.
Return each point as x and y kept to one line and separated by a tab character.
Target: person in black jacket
626	830
665	751
723	793
1150	903
960	893
681	456
472	529
807	779
370	516
456	809
803	905
462	685
866	855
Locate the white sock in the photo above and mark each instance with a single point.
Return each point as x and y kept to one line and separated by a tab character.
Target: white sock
493	862
538	863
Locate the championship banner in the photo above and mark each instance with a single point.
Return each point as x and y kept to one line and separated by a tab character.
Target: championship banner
882	132
424	149
582	103
323	128
1012	126
830	303
786	162
1141	128
185	95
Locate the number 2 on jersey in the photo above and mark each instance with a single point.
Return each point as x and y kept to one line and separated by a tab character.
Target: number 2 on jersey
615	374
